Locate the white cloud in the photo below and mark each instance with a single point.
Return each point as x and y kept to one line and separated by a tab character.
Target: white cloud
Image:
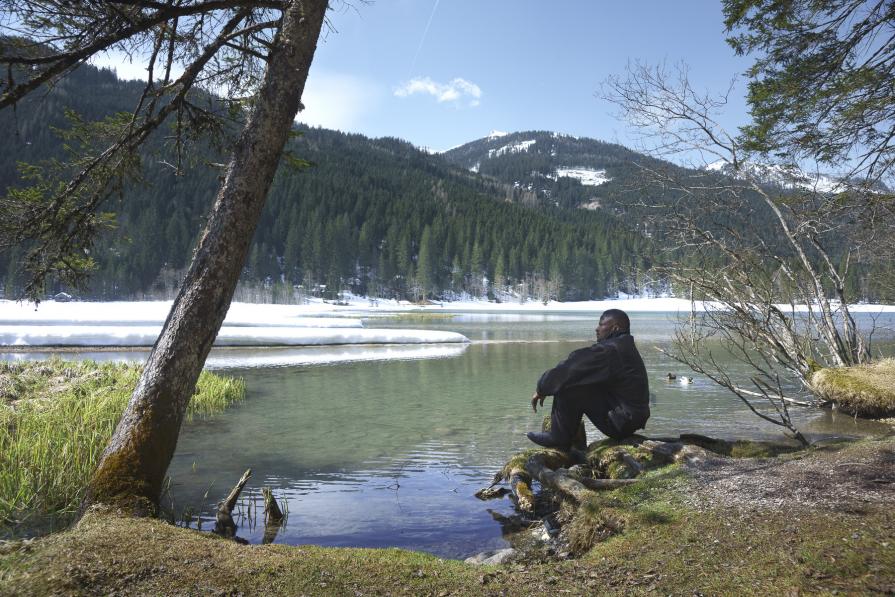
338	101
455	90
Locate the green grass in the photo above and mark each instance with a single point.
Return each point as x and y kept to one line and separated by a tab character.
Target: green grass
646	540
56	417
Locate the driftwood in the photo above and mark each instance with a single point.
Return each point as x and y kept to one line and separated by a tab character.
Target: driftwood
225	525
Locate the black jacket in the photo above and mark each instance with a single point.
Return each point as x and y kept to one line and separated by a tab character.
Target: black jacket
613	364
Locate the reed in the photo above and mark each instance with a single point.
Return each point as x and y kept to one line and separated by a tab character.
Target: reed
56	417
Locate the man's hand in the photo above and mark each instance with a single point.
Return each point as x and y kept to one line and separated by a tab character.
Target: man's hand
534	401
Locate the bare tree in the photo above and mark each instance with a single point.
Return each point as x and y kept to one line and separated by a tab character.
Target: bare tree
259	54
766	246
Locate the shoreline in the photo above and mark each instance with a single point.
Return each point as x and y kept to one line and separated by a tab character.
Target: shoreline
800	523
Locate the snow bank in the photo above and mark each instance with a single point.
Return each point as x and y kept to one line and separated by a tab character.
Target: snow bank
139	324
155	312
314	324
244	358
229	359
139	335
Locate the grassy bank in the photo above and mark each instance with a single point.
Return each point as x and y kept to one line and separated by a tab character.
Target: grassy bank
56	417
666	542
865	390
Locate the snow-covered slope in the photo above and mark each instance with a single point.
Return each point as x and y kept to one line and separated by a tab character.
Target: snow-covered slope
781	176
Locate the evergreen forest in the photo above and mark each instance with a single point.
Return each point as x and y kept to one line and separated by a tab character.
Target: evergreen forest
501	217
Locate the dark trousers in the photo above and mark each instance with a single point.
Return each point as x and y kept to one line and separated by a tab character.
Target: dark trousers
607	414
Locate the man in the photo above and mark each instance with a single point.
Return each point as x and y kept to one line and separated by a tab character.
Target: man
606	381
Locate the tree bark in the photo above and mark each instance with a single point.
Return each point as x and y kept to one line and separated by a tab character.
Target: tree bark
132	469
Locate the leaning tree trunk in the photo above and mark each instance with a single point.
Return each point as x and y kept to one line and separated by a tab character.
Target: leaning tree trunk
132	468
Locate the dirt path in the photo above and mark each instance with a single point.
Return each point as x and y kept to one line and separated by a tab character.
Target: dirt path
826	478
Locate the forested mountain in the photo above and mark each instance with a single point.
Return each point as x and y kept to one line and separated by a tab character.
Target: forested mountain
527	214
547	169
553	169
376	216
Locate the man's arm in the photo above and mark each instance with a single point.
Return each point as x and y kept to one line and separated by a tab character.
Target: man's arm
586	365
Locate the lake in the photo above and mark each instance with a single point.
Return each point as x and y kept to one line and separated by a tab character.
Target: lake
385	446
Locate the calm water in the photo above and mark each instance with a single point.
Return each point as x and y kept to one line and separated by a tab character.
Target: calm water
389	452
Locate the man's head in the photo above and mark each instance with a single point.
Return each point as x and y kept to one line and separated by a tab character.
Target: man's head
612	321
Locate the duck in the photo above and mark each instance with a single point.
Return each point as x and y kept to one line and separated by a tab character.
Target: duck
686	379
670	377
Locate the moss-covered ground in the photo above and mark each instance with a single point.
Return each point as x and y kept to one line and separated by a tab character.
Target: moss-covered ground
663	543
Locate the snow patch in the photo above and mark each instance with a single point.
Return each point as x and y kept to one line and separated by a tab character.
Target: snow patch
591	205
475	167
514	148
587	176
137	335
495	134
242	358
140	323
155	313
785	177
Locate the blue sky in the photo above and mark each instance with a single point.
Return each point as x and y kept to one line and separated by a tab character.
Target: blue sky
440	73
504	65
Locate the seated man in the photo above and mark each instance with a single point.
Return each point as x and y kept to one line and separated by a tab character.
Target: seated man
606	381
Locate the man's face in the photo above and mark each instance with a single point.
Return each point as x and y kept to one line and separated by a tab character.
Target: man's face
605	327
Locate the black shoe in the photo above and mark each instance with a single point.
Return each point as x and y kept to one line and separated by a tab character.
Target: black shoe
546	440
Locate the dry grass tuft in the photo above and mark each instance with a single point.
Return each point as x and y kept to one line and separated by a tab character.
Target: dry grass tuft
865	390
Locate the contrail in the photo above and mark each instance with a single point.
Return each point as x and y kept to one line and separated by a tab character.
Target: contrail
423	39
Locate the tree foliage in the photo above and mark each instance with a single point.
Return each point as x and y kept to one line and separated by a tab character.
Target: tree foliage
822	83
353	220
192	46
279	39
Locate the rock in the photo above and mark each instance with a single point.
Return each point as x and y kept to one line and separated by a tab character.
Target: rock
663	451
501	556
694	455
540	532
551	528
